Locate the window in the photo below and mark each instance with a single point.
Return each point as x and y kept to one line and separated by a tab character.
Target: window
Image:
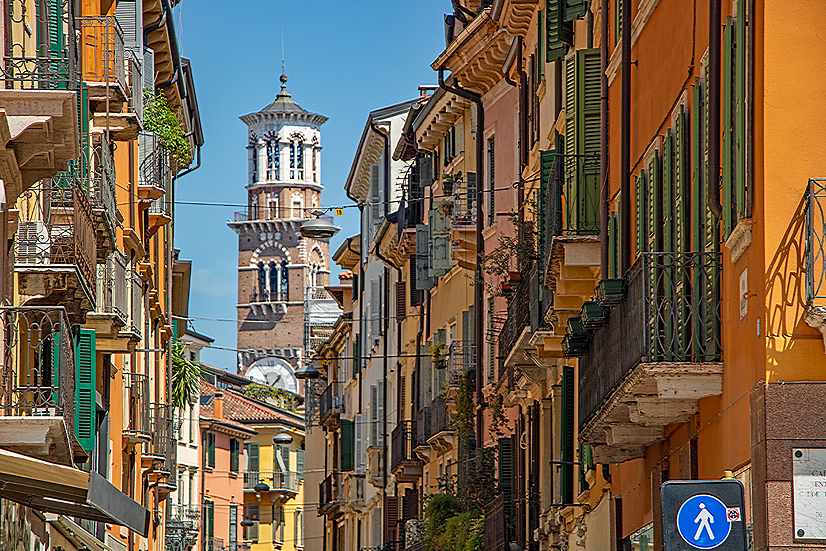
252	513
209	524
193	494
273	161
234	455
277	523
297	208
209	450
298	528
254	162
315	165
251	476
233	526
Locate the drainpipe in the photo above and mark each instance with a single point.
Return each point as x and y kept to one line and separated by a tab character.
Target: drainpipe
478	297
194	168
625	138
603	140
713	183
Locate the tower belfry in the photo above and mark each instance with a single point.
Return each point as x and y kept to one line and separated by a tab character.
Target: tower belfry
275	263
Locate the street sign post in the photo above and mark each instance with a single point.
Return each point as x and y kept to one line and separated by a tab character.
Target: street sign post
703	514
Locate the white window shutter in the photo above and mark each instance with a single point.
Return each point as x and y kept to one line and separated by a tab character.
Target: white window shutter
374	416
359	455
380	412
375	308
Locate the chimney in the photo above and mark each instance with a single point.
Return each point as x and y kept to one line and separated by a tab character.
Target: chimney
218	402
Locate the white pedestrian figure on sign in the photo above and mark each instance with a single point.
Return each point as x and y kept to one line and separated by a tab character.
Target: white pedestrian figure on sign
705	519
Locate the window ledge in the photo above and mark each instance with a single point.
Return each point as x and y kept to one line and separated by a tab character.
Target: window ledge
739	240
233	475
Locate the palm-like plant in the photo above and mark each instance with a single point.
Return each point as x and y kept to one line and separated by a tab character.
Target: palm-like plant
186	378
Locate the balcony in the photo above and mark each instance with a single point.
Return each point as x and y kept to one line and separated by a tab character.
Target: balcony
331	404
135	284
814	205
463	225
154	180
331	496
283	484
423	431
56	249
37	396
461	359
137	420
182	526
161	428
103	68
102	192
110	320
658	354
404	463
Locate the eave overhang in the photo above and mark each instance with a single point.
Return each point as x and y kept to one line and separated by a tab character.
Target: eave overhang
370	149
475	57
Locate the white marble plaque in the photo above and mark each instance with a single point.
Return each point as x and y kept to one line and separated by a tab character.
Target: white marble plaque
809	487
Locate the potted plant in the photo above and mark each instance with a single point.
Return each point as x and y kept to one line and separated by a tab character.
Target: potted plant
438	351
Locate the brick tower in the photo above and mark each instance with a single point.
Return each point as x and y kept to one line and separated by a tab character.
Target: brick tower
275	263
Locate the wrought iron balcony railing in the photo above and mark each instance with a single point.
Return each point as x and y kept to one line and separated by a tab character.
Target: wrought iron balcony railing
520	303
56	228
461	359
276	481
330	492
403	442
161	417
332	401
439	416
136	402
102	182
464	205
30	67
102	54
113	287
424	430
135	291
816	243
498	523
671	313
38	376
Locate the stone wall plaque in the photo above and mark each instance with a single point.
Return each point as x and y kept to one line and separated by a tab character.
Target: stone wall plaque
809	488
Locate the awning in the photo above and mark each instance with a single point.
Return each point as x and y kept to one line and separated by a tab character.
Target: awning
54	488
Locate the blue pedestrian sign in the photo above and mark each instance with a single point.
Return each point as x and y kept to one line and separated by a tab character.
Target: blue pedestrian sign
702	515
703	521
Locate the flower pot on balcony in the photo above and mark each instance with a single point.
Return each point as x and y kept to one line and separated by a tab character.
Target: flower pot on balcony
592	315
514	276
575	327
611	292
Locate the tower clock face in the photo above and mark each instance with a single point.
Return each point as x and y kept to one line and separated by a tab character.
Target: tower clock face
273	372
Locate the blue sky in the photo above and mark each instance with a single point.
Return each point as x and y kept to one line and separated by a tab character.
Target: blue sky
343	59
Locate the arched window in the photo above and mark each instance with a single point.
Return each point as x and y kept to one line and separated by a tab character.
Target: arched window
285	281
292	160
315	165
274	289
261	296
254	162
273	161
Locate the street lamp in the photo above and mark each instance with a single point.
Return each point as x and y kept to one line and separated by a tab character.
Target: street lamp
318	228
283	438
307	371
261	487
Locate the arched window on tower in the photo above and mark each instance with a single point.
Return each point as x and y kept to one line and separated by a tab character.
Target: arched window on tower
272	205
273	161
275	273
253	162
285	282
261	296
315	165
292	160
300	158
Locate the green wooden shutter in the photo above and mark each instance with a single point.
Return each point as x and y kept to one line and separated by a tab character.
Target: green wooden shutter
575	9
740	127
210	519
668	227
639	213
549	213
299	463
211	450
654	221
582	139
567	436
506	465
727	191
347	445
698	207
540	44
612	245
559	33
85	377
356	354
617	20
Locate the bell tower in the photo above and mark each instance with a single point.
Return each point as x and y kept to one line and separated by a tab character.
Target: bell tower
275	263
